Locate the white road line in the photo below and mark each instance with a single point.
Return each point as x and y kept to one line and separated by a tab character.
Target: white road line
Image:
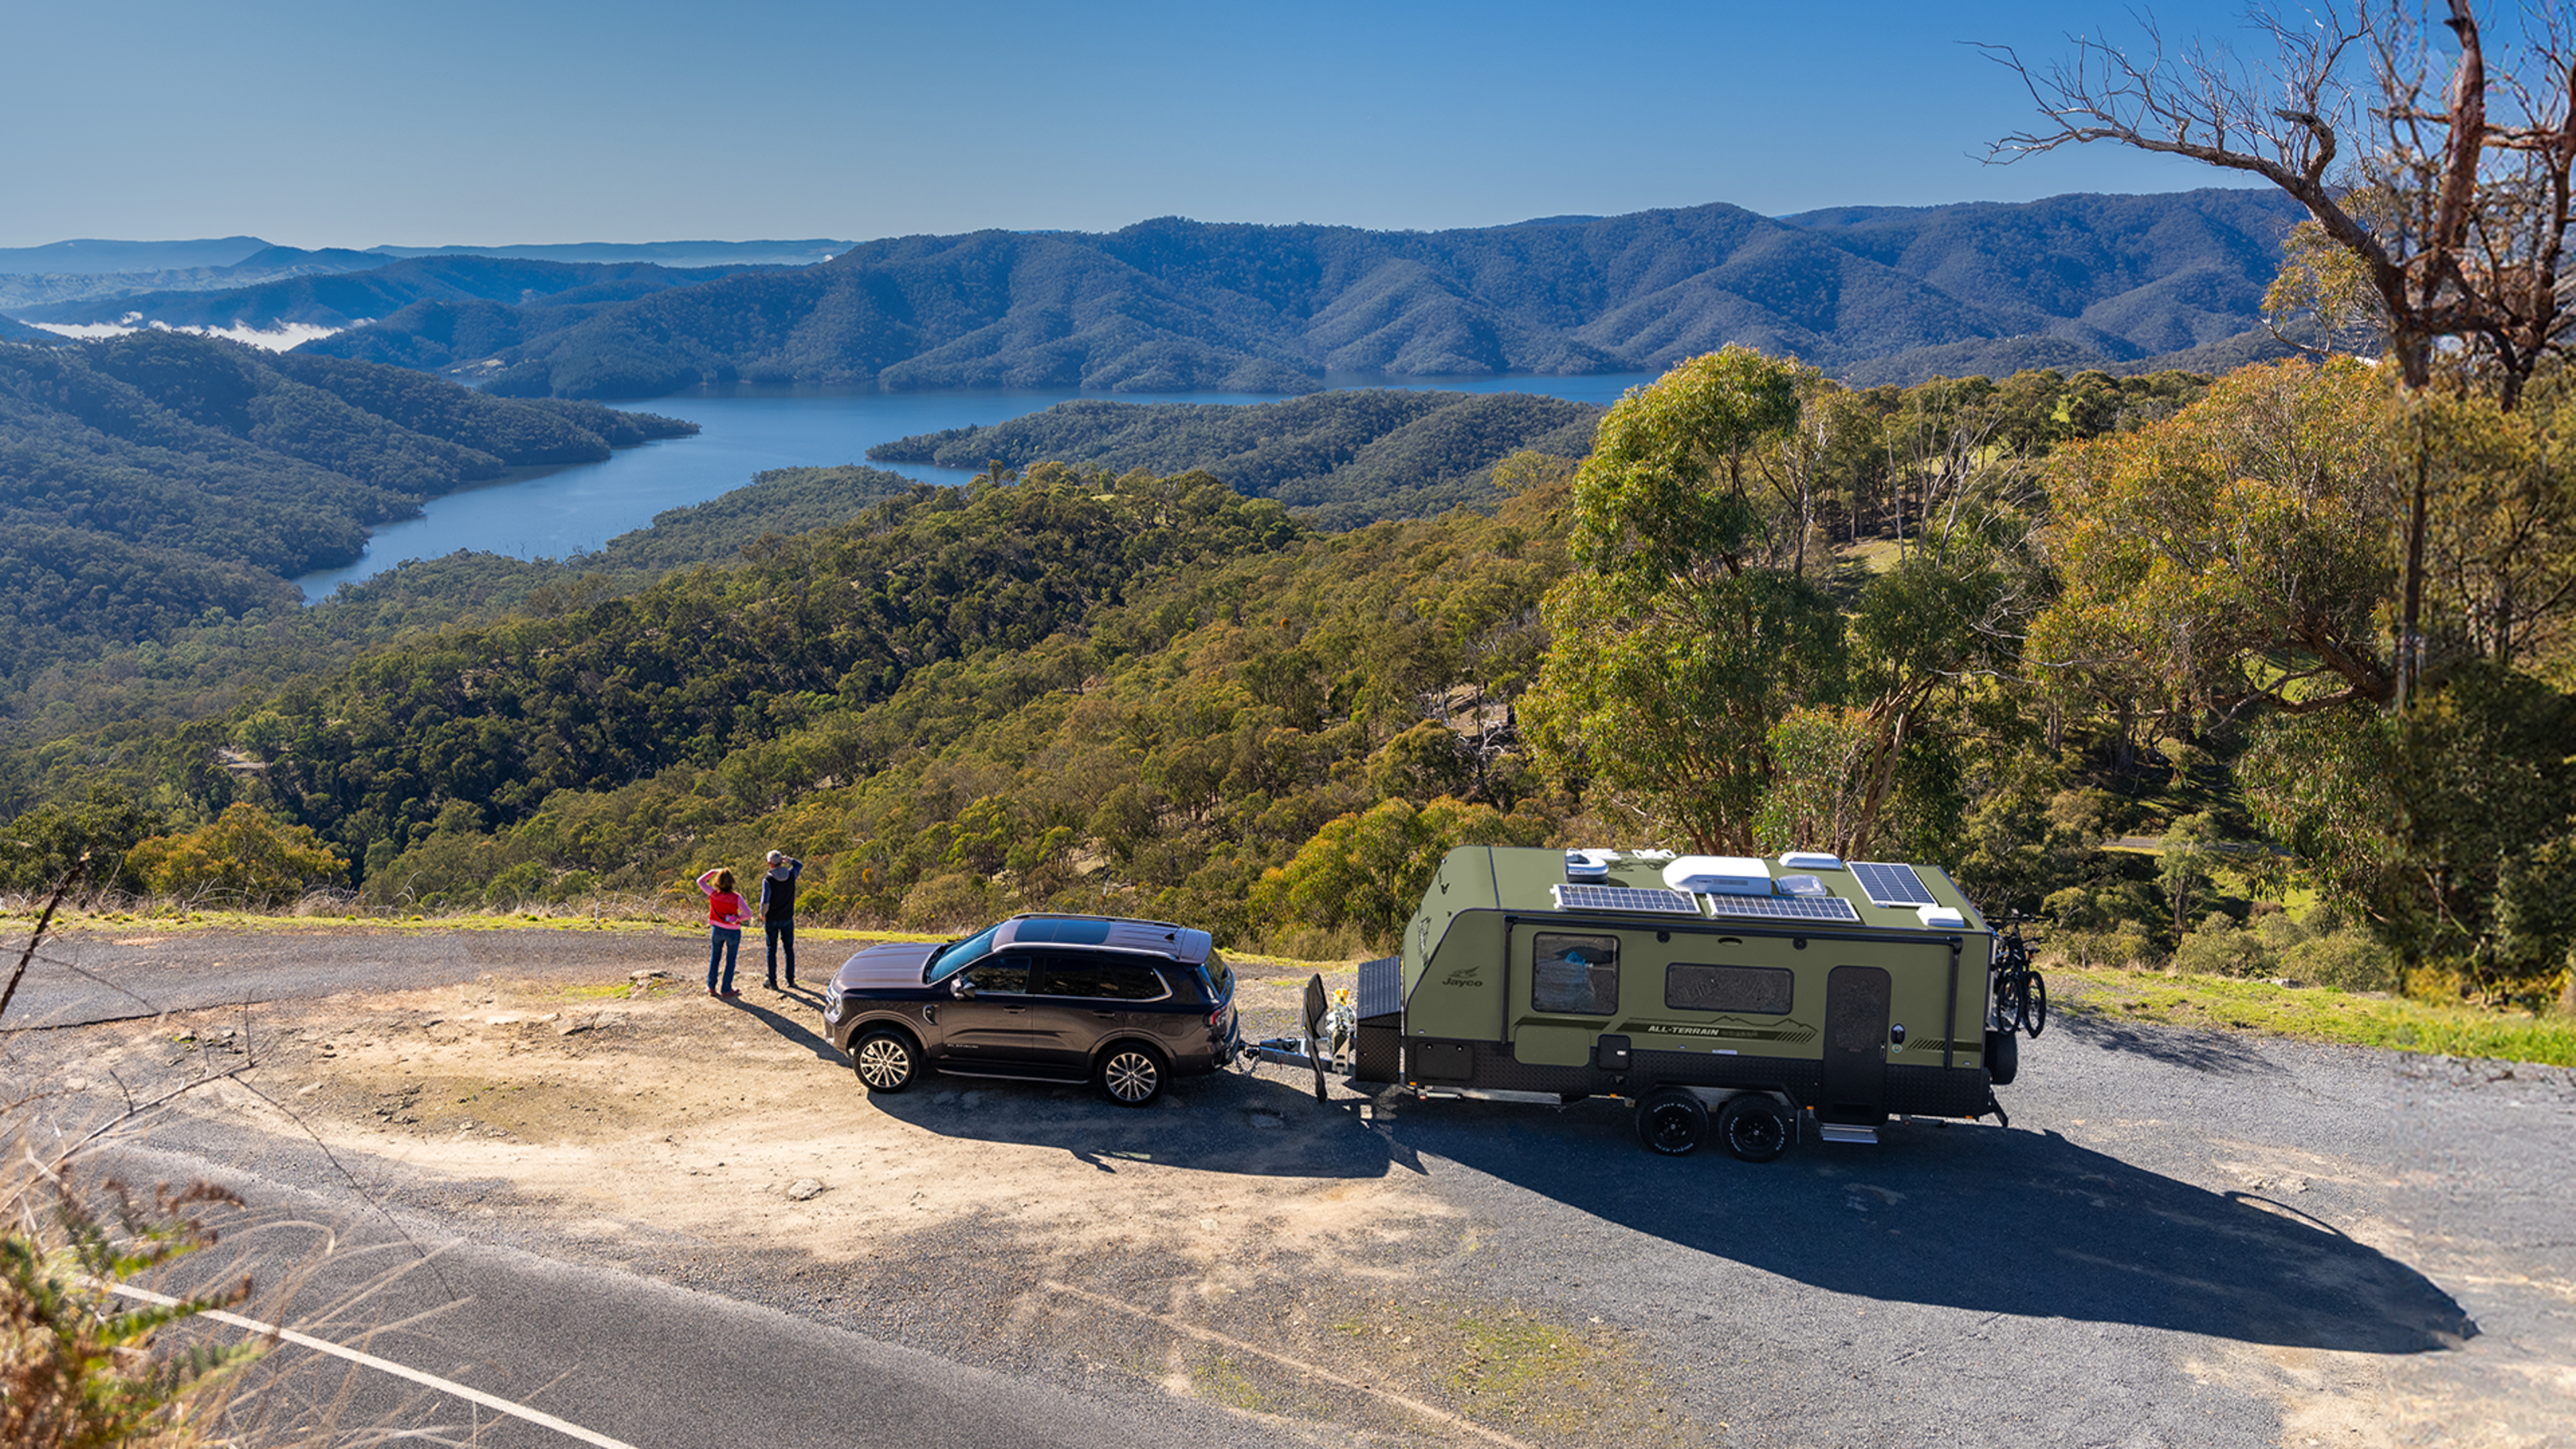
403	1371
1209	1335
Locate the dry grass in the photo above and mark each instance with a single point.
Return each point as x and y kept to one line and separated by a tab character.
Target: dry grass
2314	1013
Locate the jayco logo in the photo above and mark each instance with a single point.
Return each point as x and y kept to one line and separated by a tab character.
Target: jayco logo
1464	976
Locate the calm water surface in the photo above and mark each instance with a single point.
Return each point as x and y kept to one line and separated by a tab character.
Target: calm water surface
557	512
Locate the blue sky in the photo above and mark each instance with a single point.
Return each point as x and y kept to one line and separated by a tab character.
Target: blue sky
527	121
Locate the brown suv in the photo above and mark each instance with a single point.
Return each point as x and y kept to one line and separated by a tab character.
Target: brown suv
1126	1004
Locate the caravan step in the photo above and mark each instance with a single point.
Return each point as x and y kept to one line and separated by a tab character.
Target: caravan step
1844	1132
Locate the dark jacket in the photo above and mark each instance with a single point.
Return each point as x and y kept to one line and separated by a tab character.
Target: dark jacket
778	890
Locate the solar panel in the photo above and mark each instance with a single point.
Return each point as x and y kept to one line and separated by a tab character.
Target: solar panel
1785	908
1622	898
1891	885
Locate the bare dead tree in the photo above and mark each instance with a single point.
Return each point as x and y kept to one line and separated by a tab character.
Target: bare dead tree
2468	182
2452	200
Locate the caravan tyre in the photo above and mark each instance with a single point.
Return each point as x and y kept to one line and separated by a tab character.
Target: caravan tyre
1754	1128
1672	1122
2003	1057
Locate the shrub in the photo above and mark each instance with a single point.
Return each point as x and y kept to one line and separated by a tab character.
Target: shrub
77	1368
2222	948
245	853
951	901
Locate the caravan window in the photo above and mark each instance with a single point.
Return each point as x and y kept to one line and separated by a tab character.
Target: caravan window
1577	975
1753	990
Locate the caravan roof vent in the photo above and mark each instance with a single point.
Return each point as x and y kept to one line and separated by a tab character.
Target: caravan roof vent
1801	885
1811	860
1588	866
1940	916
1719	875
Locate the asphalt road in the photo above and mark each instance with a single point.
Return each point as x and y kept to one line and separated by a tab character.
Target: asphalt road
2183	1239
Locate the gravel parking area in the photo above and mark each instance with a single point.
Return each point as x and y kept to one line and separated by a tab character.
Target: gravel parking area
2182	1238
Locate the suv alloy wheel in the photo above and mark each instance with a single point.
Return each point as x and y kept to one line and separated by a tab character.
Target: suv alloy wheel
886	1061
1132	1075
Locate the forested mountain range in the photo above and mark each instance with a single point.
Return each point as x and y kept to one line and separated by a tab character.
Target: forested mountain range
558	291
82	271
149	479
2127	282
1343	458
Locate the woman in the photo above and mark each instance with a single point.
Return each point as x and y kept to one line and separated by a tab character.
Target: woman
725	915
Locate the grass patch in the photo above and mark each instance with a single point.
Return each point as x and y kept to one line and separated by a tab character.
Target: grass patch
604	991
1523	1373
2314	1013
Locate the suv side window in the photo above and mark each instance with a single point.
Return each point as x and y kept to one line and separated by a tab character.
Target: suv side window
1065	973
1122	982
1006	976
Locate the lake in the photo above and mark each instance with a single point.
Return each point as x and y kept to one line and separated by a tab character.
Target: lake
557	512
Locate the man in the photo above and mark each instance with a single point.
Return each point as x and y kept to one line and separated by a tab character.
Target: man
778	912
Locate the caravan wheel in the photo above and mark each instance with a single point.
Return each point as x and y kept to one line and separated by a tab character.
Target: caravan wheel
1672	1122
1754	1127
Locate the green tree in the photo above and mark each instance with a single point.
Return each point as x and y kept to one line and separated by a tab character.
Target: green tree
1369	870
1674	649
245	853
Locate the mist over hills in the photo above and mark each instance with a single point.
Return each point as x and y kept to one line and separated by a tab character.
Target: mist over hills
337	299
1878	294
92	270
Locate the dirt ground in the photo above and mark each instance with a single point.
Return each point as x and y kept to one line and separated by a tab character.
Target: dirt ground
1242	1244
1018	1225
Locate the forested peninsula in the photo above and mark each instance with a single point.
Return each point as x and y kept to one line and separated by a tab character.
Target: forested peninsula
1341	458
156	480
1874	295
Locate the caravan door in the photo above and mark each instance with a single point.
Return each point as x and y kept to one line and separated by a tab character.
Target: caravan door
1855	1066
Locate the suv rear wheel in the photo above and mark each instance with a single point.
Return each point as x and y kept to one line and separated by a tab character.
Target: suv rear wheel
1131	1075
886	1061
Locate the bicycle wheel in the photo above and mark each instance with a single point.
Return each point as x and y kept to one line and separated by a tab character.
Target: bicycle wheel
2010	1004
2035	1003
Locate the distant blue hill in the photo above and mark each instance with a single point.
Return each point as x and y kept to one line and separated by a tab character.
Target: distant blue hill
88	257
303	297
1872	294
668	254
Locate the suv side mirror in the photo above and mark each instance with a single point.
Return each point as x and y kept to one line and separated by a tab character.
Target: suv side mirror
961	988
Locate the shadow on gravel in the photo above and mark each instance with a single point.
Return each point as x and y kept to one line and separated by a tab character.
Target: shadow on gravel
2198	1051
1224	1122
793	1029
1974	1218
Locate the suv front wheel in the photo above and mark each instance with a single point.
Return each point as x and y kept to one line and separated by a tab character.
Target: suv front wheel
1131	1075
886	1061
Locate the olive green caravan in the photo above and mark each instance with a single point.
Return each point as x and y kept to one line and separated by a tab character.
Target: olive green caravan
1843	991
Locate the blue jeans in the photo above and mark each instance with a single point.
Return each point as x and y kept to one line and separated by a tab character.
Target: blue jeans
726	945
781	932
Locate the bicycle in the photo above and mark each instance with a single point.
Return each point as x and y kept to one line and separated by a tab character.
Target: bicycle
2021	994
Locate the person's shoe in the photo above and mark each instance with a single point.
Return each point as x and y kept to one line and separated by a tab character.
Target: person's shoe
728	993
791	983
773	983
711	991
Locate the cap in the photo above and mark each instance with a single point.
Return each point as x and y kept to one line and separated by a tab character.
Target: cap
774	857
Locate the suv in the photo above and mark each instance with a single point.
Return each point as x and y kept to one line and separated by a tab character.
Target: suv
1126	1004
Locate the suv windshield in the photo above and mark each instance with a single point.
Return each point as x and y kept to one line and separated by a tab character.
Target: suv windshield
948	960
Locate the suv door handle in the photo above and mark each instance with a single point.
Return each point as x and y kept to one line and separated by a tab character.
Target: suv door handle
1106	1015
1017	1010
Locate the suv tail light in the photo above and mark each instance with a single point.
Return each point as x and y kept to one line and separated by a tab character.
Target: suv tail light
1217	1017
